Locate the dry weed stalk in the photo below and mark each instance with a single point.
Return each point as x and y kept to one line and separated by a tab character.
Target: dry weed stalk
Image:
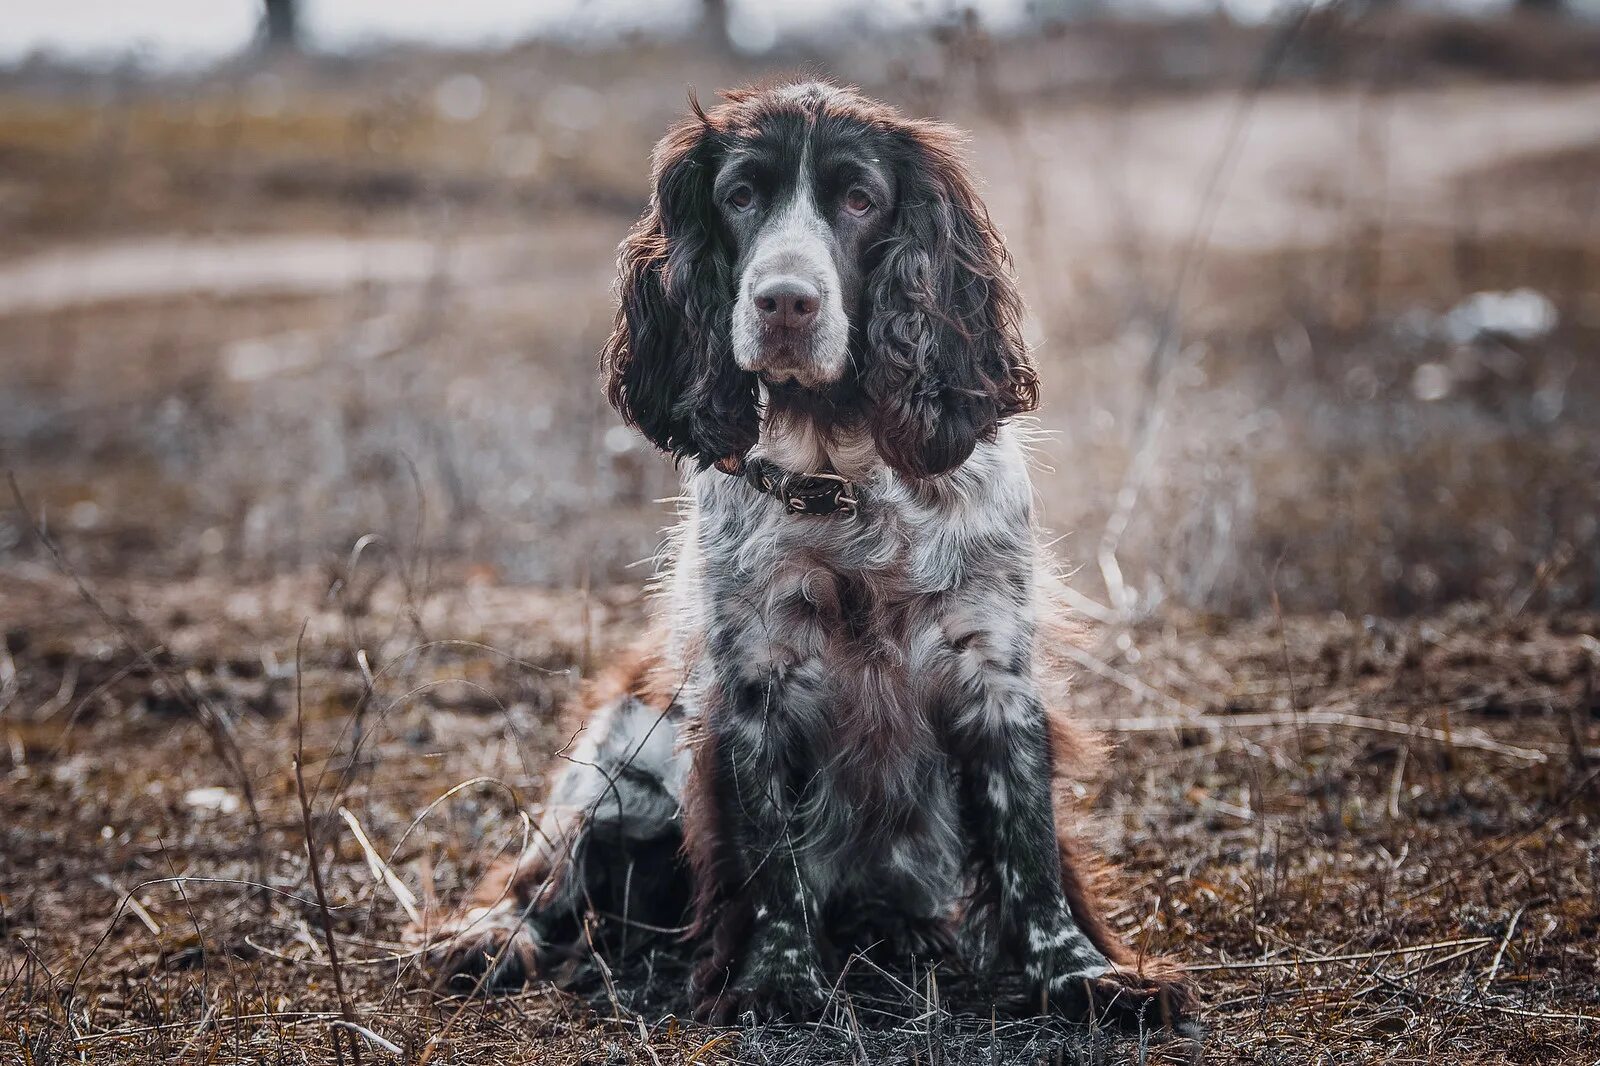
346	1008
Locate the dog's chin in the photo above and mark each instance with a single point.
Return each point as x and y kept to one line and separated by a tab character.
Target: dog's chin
790	379
790	367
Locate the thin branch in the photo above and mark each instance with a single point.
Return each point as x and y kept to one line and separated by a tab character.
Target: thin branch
1324	719
345	1006
1360	956
1500	952
368	1035
1159	378
382	871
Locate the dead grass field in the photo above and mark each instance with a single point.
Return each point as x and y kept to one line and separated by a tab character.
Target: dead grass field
1376	842
297	374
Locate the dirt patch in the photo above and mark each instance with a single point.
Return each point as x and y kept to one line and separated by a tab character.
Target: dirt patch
1368	838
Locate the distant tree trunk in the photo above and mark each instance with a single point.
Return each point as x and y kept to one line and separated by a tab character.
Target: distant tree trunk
714	23
280	24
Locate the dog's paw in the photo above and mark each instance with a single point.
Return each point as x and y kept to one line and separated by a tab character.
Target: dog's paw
1110	994
891	938
793	996
492	947
928	939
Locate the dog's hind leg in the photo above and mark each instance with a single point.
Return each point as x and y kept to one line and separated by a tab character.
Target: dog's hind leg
607	842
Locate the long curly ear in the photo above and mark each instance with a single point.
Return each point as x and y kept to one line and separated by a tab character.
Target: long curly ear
946	362
668	364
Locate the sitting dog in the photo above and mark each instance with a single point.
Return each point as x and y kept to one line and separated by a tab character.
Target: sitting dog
837	739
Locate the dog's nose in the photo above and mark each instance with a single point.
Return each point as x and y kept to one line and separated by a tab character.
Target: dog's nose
788	302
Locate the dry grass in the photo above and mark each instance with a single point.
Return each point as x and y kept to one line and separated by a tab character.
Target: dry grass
1374	842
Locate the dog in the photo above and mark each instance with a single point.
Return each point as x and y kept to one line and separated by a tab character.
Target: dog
837	738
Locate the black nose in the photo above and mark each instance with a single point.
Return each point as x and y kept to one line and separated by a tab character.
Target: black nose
788	302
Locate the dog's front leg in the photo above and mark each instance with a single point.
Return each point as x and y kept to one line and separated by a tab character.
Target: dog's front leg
1002	747
764	953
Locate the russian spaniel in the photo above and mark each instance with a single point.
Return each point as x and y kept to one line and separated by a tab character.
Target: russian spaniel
837	740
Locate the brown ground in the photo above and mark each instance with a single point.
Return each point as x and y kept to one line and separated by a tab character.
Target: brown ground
283	347
1374	842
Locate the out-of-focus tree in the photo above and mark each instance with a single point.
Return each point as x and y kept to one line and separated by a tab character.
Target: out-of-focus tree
280	24
1542	7
714	23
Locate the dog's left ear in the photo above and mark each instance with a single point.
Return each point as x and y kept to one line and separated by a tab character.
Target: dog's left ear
946	363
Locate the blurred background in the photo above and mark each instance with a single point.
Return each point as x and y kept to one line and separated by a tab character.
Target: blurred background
1315	290
299	312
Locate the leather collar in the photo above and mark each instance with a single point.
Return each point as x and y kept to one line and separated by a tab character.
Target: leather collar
816	495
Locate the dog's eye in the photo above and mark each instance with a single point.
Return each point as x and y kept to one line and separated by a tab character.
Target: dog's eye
857	202
741	198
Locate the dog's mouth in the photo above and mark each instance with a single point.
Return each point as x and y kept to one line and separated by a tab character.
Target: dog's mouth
783	352
797	357
787	368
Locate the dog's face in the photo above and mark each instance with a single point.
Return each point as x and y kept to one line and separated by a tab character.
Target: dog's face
807	238
804	204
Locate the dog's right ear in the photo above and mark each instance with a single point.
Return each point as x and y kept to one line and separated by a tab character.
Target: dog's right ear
668	364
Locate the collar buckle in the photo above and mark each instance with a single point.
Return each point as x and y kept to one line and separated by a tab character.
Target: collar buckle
813	495
819	494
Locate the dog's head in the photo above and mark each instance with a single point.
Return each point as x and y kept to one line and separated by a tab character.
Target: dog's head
804	237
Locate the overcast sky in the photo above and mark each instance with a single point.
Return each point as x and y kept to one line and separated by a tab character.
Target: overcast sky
185	30
179	29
